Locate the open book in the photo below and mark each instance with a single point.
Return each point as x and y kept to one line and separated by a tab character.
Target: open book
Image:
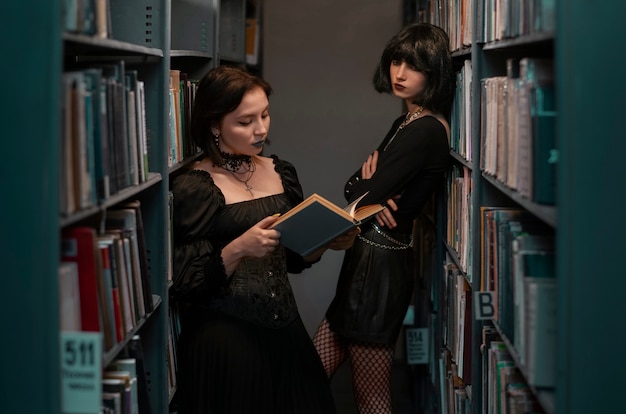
317	221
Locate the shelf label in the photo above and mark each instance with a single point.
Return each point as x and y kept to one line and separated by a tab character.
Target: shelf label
484	308
416	346
81	371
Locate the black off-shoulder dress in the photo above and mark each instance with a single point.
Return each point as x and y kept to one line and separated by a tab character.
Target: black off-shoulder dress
243	347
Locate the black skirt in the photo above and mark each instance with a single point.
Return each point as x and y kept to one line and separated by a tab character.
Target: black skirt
374	289
228	365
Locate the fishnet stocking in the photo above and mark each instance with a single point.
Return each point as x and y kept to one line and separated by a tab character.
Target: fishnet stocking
333	349
370	365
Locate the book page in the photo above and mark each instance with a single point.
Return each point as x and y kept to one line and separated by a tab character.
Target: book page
351	208
363	212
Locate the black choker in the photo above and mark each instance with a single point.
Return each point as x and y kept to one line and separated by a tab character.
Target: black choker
233	163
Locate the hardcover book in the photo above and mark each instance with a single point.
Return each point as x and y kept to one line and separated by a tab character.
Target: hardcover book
316	221
69	297
134	350
79	246
143	252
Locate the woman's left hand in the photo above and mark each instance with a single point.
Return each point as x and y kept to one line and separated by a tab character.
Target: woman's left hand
345	241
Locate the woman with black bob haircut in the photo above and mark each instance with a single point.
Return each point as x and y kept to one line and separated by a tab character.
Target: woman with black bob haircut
375	283
421	47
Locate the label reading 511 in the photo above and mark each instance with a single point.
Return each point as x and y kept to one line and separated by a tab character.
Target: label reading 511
81	368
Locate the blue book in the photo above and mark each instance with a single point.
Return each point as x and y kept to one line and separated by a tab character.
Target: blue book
101	163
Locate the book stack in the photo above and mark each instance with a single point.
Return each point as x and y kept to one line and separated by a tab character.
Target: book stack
518	146
107	276
105	139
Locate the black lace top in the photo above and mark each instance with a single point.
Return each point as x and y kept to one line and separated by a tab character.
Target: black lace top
259	290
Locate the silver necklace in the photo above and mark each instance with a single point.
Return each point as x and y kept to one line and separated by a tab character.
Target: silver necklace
249	173
233	168
410	117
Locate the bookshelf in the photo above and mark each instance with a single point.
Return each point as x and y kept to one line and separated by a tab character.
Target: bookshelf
28	231
204	35
576	218
39	208
232	31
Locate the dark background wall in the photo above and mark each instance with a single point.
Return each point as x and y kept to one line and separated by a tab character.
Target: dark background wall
326	117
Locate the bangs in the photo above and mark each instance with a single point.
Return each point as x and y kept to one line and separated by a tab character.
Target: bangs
406	52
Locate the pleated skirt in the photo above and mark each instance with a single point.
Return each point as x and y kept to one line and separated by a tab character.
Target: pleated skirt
231	366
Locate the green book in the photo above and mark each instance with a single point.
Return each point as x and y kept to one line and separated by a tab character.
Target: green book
545	153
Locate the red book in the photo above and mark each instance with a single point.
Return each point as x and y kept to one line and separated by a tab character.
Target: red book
79	245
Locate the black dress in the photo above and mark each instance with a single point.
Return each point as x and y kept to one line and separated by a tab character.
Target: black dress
243	347
375	284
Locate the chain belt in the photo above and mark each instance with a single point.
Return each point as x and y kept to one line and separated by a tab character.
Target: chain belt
398	244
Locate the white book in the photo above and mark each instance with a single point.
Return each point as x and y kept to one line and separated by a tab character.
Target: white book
69	297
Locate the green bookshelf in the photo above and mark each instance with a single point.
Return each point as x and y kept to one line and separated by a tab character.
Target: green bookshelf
585	218
28	223
32	221
590	238
232	31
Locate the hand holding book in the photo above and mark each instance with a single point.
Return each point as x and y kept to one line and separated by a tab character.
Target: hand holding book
317	222
344	241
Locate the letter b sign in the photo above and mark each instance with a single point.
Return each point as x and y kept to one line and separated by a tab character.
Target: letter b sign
484	308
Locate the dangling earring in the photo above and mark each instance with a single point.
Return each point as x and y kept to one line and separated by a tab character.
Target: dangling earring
216	134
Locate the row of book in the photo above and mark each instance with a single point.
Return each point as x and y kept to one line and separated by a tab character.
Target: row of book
505	389
455	17
89	17
517	254
454	393
500	19
172	349
182	93
458	232
125	384
505	19
519	268
460	114
518	128
457	319
104	278
505	385
105	139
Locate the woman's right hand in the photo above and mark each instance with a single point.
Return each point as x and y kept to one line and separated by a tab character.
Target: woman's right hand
258	241
369	166
385	217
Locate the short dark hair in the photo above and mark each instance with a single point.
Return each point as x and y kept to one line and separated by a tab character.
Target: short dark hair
219	92
427	47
